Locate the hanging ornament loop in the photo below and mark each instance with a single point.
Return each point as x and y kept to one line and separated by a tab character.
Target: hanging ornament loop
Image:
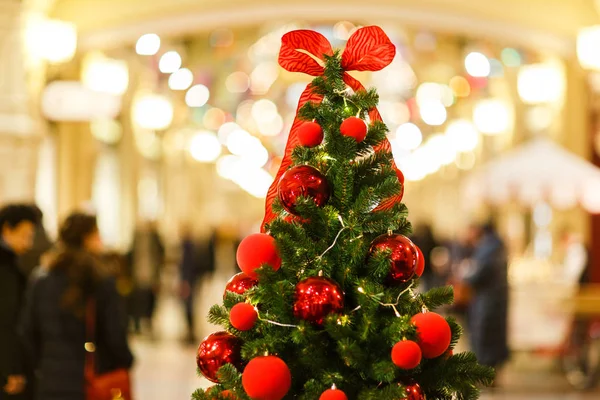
368	49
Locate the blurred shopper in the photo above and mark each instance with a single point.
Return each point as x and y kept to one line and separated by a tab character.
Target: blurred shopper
575	259
146	260
488	310
32	259
17	228
423	237
61	304
197	259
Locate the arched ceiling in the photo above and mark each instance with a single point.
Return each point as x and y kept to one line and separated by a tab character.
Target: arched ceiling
543	23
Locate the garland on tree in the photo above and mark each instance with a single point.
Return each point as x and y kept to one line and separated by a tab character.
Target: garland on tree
325	307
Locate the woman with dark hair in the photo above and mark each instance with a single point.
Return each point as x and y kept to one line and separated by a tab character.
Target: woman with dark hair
60	304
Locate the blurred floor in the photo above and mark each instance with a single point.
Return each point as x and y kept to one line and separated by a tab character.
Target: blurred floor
166	368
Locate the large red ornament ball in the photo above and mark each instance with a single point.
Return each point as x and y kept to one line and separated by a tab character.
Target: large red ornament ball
333	394
256	250
434	334
317	297
217	350
420	262
414	392
239	283
243	316
354	127
310	134
403	257
406	354
302	181
267	378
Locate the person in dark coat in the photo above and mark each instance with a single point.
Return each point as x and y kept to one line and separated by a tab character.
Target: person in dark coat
488	310
17	227
54	322
31	259
146	260
423	237
197	259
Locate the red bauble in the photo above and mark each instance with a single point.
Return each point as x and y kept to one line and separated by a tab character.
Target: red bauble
243	316
302	181
317	297
406	354
239	283
256	250
420	262
333	394
354	127
414	392
434	334
403	257
217	350
267	378
310	134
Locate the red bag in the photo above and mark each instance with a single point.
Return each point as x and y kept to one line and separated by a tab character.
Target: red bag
114	385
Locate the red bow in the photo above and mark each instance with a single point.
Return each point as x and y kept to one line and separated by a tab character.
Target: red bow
368	49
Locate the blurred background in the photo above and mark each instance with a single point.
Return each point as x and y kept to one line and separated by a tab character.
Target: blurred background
169	118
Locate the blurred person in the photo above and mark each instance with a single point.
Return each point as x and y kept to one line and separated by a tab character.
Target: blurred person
146	260
488	310
76	289
17	229
423	237
576	257
197	259
32	259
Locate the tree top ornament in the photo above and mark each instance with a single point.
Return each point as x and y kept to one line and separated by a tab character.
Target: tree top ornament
368	49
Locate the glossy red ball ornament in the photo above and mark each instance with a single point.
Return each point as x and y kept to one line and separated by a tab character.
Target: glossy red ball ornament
406	354
333	394
267	378
403	257
310	134
420	262
354	127
255	251
303	181
243	316
240	283
414	392
217	350
317	297
434	334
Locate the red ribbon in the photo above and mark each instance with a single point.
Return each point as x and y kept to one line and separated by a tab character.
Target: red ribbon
368	49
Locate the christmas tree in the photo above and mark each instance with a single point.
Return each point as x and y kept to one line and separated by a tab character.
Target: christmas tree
325	307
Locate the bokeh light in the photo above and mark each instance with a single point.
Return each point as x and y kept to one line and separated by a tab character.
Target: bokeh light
148	44
181	79
408	136
477	65
197	96
169	62
205	147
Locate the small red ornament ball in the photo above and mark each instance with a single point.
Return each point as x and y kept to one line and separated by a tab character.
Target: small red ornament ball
406	354
420	262
333	394
302	181
317	297
354	127
243	316
239	283
403	257
434	334
414	392
267	378
310	134
256	250
217	350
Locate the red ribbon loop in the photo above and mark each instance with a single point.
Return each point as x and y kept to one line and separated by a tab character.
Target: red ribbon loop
368	49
